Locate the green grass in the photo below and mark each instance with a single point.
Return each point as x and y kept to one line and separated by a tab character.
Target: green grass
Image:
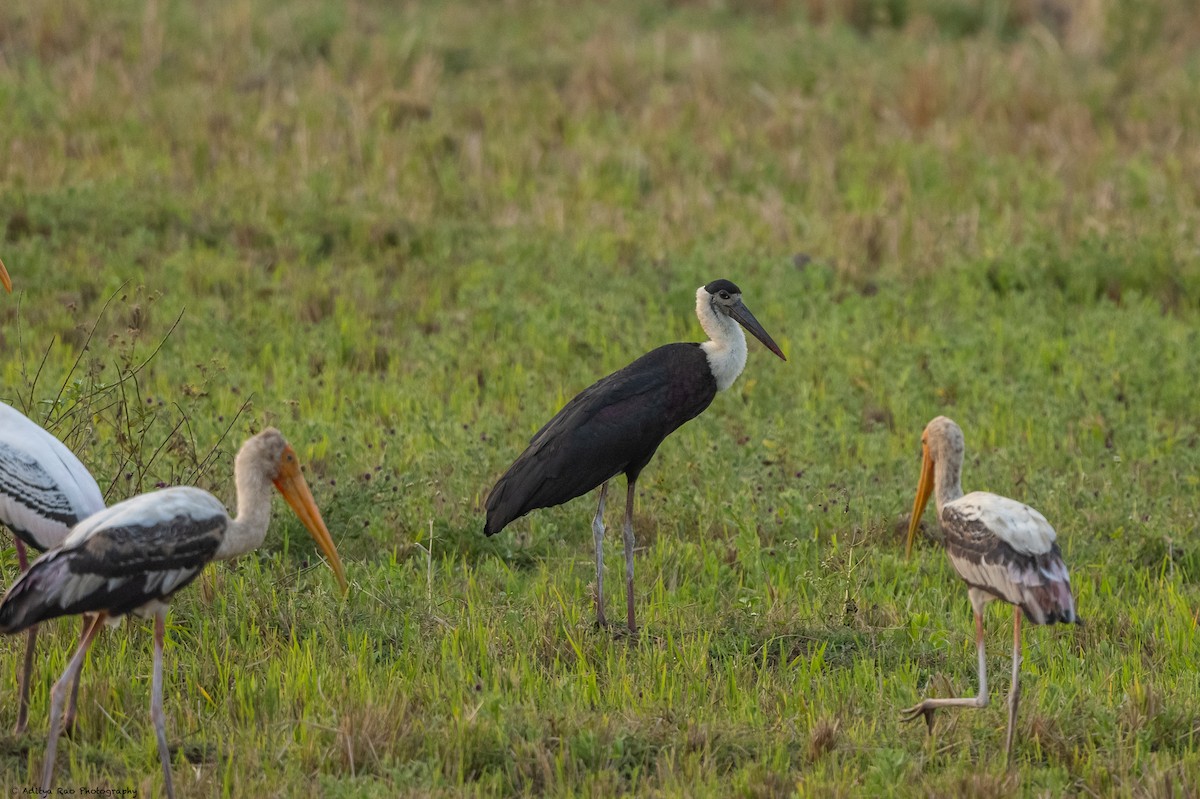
407	235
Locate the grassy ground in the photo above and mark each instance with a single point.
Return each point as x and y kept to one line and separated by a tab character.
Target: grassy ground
407	234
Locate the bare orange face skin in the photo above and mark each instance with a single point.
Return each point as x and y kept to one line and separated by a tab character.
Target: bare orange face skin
924	489
4	278
291	483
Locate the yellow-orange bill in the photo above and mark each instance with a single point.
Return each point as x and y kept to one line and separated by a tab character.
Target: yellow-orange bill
5	280
294	487
924	489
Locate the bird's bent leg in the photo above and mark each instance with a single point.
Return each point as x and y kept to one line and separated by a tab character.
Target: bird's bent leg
1014	694
926	706
58	695
26	670
69	718
632	619
22	559
156	700
598	536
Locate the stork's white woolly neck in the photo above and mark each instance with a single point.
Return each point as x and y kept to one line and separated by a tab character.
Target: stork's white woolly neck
726	347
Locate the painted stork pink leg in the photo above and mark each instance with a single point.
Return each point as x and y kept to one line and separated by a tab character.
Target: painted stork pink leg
598	537
134	556
30	645
629	609
72	705
1003	549
44	492
27	666
58	695
927	706
156	699
1014	693
22	558
23	690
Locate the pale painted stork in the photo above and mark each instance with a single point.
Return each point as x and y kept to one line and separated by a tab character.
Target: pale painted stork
1003	549
44	492
616	425
135	555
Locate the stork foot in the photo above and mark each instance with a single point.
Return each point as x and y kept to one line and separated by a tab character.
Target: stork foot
924	708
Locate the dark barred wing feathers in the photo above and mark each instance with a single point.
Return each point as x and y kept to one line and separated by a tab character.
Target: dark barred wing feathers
1014	557
30	497
115	568
44	489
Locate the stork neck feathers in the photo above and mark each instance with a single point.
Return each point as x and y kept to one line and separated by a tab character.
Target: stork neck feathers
726	347
943	441
248	529
947	477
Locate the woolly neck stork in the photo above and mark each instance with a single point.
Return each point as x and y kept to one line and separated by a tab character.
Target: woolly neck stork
44	492
135	555
1003	549
616	425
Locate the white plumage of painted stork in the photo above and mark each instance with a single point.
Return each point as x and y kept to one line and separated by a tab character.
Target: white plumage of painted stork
1003	549
44	492
135	555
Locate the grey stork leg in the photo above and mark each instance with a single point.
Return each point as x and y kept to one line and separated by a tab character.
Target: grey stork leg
69	718
156	700
23	691
1014	694
631	617
926	706
598	536
58	696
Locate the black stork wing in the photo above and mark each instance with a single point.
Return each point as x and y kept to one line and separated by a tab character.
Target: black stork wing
137	551
614	426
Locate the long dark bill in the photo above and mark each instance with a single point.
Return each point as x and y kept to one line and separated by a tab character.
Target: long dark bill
746	319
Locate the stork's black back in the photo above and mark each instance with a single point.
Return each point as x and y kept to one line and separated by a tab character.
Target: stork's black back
610	428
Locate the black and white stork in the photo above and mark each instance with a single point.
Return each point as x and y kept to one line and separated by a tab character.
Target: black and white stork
615	426
1003	549
44	492
135	555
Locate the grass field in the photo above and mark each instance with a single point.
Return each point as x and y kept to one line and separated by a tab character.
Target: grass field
406	234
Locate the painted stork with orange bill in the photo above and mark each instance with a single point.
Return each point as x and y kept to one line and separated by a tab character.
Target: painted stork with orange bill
615	426
5	280
1003	549
132	557
44	492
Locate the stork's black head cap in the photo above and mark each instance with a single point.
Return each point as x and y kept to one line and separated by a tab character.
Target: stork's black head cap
722	285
